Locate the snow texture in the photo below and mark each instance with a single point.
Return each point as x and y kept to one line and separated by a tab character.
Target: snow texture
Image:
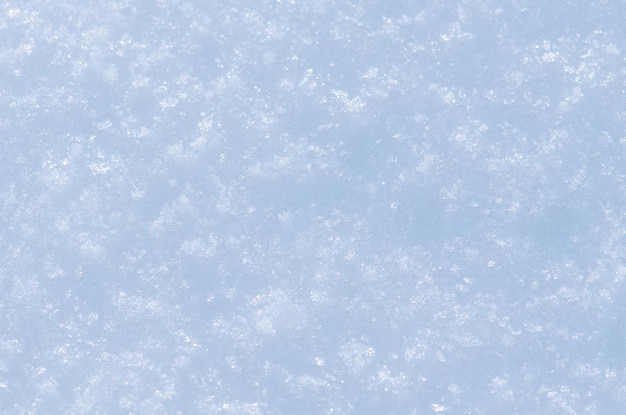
281	207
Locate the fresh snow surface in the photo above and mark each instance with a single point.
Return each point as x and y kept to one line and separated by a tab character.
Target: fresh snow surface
282	207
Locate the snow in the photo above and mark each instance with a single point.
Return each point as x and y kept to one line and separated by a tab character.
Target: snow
316	207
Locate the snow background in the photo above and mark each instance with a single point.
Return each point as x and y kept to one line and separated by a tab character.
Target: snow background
312	207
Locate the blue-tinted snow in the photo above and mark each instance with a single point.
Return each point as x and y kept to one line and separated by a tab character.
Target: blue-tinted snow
316	207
